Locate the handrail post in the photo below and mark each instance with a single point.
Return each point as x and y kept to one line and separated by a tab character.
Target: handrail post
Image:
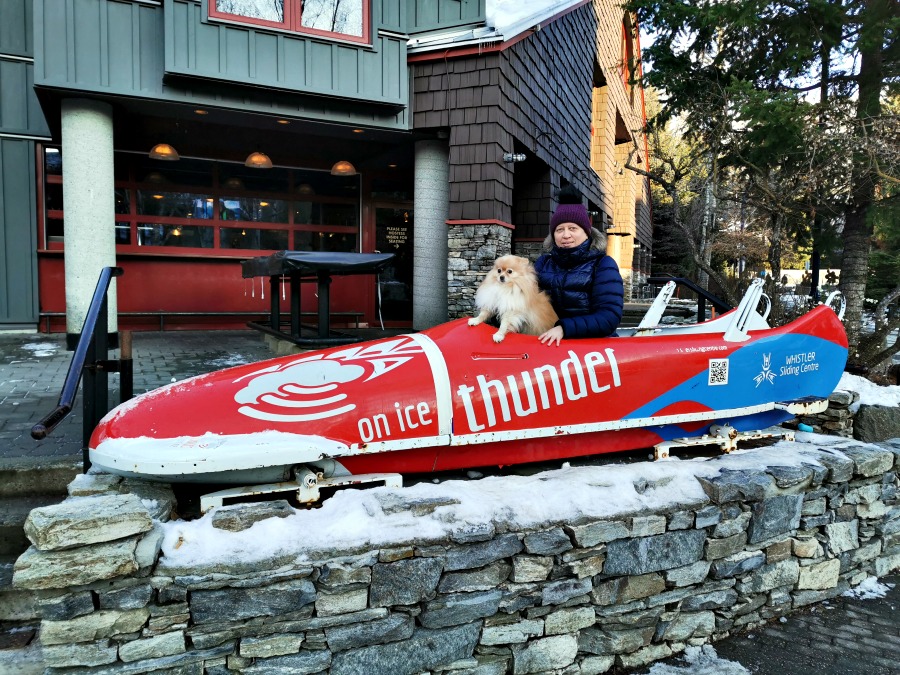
89	366
96	380
126	367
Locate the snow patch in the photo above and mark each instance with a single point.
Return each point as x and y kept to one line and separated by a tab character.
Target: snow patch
869	392
41	348
870	589
700	661
369	518
228	361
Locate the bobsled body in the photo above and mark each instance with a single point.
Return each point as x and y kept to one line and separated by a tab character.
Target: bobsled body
451	398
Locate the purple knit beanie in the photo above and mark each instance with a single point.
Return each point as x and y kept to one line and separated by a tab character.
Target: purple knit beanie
571	210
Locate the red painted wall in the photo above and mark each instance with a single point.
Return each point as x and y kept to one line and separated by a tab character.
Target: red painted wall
192	284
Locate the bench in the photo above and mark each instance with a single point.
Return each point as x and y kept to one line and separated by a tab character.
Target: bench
162	314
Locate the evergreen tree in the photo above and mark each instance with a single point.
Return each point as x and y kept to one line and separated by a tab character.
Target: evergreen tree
798	87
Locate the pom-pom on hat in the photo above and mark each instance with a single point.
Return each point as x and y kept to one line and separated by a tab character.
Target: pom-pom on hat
571	210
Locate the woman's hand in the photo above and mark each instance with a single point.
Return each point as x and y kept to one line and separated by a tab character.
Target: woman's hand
552	336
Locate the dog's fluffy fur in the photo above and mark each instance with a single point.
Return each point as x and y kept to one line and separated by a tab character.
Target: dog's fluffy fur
510	292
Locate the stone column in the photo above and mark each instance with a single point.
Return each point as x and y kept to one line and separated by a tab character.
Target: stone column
89	204
431	201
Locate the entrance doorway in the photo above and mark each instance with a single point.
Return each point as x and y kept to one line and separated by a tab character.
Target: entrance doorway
394	234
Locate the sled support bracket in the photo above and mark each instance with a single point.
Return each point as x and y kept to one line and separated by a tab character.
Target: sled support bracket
723	435
305	486
808	405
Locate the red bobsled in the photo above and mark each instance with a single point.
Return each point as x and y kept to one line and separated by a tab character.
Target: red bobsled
451	398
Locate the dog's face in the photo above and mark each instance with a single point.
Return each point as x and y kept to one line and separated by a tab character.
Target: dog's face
508	269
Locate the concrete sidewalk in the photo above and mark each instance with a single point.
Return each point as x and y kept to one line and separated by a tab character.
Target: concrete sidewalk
33	368
844	635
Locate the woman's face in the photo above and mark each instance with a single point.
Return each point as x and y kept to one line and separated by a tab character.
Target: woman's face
569	235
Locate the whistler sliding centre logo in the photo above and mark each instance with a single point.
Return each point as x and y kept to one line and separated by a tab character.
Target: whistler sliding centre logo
766	374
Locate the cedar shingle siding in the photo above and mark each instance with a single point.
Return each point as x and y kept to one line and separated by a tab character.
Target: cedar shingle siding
538	92
538	96
560	95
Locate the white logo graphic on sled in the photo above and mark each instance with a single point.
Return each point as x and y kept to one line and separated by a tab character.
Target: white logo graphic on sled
310	388
766	374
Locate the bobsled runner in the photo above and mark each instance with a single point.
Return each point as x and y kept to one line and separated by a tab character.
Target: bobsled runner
451	398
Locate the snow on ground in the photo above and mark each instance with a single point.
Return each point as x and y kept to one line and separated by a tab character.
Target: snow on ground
700	661
870	589
869	392
227	361
40	348
380	517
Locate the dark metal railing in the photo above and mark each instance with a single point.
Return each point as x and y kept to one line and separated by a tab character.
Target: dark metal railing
702	295
90	360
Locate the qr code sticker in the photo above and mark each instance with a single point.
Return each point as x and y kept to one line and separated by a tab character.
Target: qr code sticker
718	371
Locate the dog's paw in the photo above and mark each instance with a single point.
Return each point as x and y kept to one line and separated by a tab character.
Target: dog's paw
498	336
474	321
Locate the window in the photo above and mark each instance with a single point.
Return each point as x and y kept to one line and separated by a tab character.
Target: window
345	19
203	207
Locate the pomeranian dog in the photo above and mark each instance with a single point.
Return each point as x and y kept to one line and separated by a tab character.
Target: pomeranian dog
510	292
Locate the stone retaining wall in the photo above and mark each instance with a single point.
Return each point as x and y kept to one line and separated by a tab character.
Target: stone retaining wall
869	423
473	250
577	597
837	420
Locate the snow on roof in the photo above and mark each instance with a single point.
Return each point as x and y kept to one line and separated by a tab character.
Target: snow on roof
511	17
504	19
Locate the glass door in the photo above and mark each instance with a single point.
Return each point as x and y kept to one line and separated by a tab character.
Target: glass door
394	234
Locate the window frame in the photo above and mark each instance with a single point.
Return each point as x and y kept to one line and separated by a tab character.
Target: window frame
215	190
292	22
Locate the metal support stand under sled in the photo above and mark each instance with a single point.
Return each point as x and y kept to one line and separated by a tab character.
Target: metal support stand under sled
727	437
306	486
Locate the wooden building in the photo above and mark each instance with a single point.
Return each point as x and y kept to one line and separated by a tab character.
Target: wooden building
175	138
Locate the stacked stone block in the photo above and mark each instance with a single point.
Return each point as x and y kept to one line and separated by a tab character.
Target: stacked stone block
837	420
529	249
574	597
473	250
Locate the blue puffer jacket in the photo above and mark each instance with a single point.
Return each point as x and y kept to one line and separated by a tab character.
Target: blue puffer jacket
585	288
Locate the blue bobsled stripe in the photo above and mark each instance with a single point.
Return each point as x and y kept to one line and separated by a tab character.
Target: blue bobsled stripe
772	369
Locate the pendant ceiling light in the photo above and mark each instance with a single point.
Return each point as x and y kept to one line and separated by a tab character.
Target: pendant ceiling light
343	168
258	160
165	152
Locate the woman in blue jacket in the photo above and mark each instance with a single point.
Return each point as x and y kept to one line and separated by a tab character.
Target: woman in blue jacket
583	283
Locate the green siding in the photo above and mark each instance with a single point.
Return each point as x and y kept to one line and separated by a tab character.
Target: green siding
18	260
128	49
425	15
392	16
15	28
248	55
20	112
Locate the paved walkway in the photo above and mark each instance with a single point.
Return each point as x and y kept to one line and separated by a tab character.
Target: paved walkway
33	368
846	636
841	636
